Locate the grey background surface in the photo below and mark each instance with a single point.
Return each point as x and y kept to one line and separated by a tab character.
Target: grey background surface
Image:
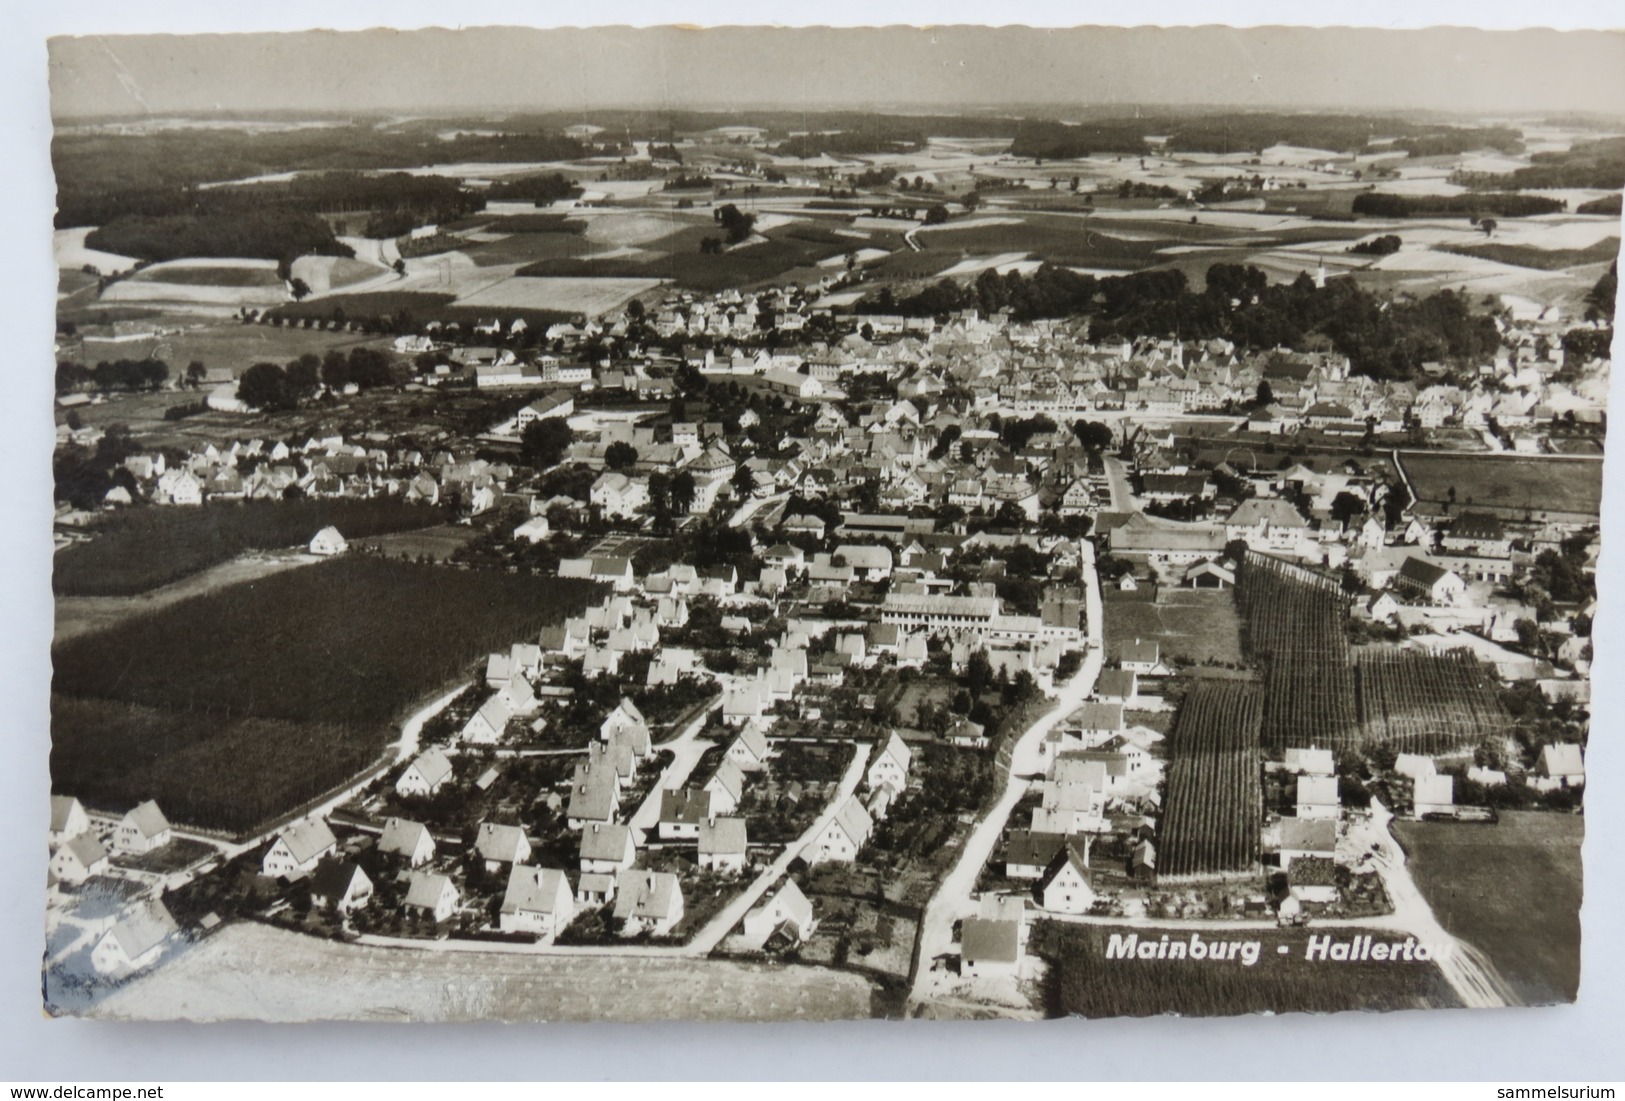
1571	1043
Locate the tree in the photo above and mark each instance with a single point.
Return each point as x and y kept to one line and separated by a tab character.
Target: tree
543	442
299	288
734	222
1265	396
1488	226
936	214
264	386
1093	435
971	201
399	266
195	373
744	482
620	455
683	492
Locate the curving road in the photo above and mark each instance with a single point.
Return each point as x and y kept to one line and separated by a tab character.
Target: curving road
954	898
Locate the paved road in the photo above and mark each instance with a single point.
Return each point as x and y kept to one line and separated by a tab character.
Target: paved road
1117	478
711	935
1469	973
751	507
687	749
954	897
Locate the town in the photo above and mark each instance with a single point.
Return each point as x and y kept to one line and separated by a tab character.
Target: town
916	631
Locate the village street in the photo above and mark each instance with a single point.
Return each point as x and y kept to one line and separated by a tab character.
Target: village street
954	897
687	749
703	941
1117	478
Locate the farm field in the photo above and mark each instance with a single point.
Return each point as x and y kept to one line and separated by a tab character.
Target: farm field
78	615
1215	801
680	260
1194	626
142	549
1421	702
234	345
1512	890
1293	625
290	979
1508	485
1083	982
301	674
566	295
437	543
211	273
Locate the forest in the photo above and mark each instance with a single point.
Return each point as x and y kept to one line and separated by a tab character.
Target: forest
1249	132
1598	164
1502	204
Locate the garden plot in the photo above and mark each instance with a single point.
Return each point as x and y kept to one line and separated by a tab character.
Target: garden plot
565	294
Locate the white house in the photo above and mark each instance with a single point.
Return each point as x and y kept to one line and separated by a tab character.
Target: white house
339	885
79	858
749	749
135	941
990	948
142	830
409	840
1310	762
427	774
725	787
295	852
538	901
843	837
499	844
533	530
722	845
890	765
1435	794
1560	765
433	894
786	910
328	541
68	819
607	848
1066	887
486	726
1300	838
1316	797
648	903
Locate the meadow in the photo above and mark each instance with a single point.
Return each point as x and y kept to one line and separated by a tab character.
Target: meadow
240	704
137	550
1506	484
1512	890
1083	982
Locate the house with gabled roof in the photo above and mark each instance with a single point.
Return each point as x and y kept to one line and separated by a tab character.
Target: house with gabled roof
624	716
1431	582
594	798
142	830
78	858
1143	657
498	844
889	766
725	787
1067	885
68	819
136	939
990	948
339	885
1316	797
842	837
785	912
432	894
409	840
681	813
428	772
537	901
607	848
1560	765
298	848
749	749
1434	794
328	542
1310	762
487	725
647	903
1305	837
722	845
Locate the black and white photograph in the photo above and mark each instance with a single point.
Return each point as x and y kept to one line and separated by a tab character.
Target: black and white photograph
813	524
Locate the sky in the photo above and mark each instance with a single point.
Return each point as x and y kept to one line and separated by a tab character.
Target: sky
1446	69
